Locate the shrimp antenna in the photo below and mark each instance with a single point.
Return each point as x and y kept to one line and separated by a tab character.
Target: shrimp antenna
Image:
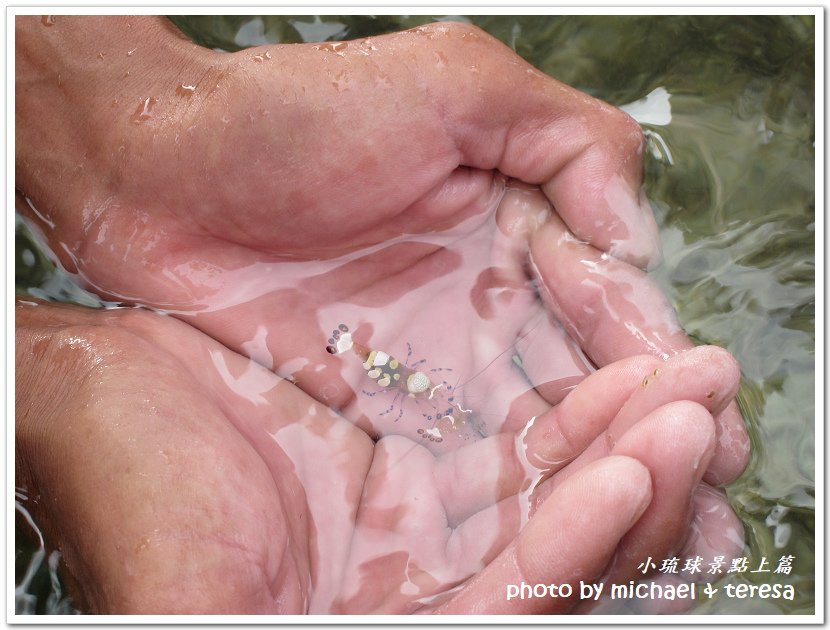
458	383
494	359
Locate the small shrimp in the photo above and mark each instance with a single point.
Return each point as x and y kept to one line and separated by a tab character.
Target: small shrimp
389	372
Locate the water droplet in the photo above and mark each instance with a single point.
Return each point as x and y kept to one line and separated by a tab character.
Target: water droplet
100	55
335	47
114	102
144	111
185	90
258	58
130	52
47	20
341	81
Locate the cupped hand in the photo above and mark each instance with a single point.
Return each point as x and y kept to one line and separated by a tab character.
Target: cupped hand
328	154
178	476
268	196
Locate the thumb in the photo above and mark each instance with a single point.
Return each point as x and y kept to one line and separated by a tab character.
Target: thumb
587	155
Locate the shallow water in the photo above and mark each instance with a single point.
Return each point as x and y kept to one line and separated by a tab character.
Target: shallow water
731	180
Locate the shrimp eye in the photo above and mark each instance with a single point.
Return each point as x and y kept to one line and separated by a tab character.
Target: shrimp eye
451	398
336	334
343	327
331	341
331	349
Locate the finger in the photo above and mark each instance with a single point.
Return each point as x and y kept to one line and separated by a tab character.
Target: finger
715	531
676	443
715	537
473	477
523	209
733	447
614	310
603	184
584	415
571	538
707	375
611	308
506	301
552	361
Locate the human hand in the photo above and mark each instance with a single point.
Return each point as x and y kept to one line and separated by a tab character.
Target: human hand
228	218
212	180
266	229
177	476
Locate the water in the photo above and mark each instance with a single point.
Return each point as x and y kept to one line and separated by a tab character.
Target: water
731	181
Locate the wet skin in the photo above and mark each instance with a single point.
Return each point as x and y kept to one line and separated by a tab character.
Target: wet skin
218	503
222	456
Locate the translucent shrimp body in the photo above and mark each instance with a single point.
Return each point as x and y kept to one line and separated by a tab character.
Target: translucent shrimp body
445	415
